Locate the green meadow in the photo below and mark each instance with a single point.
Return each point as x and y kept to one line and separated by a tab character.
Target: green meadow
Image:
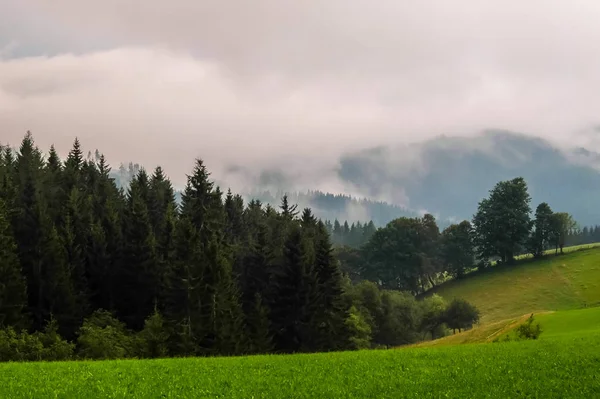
555	367
570	281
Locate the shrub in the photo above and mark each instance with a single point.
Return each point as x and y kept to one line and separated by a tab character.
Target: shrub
104	337
152	340
39	346
55	348
359	329
529	330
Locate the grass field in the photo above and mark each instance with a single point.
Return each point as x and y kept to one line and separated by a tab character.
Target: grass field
559	366
564	282
568	323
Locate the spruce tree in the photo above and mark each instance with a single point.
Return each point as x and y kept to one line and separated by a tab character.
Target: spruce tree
72	169
60	298
106	237
139	278
295	297
76	234
331	315
236	235
181	291
53	185
27	224
201	274
259	327
13	286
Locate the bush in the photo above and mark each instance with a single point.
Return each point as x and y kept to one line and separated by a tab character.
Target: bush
19	347
104	337
55	348
359	329
39	346
152	340
529	330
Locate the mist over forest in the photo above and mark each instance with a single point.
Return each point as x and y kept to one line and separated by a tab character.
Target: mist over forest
445	176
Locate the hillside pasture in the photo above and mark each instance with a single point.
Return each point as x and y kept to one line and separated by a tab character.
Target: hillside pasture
563	282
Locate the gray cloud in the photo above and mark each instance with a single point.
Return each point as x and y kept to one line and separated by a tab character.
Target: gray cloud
293	85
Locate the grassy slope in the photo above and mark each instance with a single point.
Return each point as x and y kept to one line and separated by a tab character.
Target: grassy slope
562	282
572	322
555	367
567	323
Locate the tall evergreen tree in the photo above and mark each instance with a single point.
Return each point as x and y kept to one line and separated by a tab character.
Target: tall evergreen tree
106	239
331	315
27	224
201	275
13	286
53	185
139	276
295	298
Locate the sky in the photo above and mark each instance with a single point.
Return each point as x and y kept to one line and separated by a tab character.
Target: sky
292	84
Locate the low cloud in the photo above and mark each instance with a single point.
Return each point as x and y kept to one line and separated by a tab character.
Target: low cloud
290	87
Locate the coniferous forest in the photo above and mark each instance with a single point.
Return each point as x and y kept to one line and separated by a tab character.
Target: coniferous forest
89	270
92	270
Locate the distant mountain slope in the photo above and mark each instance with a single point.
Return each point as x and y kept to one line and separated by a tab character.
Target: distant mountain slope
450	175
445	176
326	206
329	206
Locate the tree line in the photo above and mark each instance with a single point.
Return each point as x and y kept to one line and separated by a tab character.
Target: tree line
411	254
91	270
353	235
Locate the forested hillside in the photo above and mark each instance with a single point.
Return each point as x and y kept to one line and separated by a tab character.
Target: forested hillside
326	206
131	272
94	271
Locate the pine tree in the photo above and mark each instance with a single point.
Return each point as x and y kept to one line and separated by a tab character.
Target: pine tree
259	327
13	286
200	278
331	315
76	234
53	185
236	235
161	197
288	212
60	298
138	277
294	298
7	177
181	291
72	170
27	224
106	238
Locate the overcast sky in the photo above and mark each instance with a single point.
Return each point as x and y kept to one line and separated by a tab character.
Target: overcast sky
293	83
